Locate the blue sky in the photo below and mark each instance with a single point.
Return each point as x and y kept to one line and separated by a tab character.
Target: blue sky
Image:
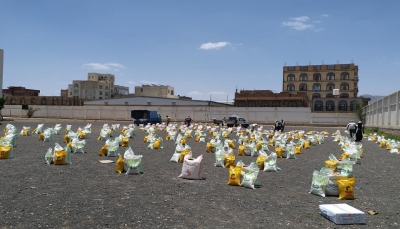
203	49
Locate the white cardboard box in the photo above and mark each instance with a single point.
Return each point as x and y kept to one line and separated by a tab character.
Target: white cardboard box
342	213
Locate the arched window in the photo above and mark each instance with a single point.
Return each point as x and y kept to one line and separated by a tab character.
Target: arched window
55	102
290	87
344	86
353	105
316	95
342	105
172	92
329	95
106	88
292	104
252	104
241	104
44	101
33	100
330	76
69	102
22	101
290	77
12	101
330	86
330	105
276	104
316	87
344	76
264	104
303	87
318	105
303	77
317	77
344	95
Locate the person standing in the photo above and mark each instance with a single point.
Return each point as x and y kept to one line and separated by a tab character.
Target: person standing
278	126
351	127
168	120
188	120
359	131
282	125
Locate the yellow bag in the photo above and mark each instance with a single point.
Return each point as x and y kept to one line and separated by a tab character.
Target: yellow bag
245	140
189	134
25	132
103	151
278	151
258	146
226	135
168	137
382	144
99	138
346	188
66	138
231	145
183	141
82	135
307	144
260	161
4	151
145	138
209	147
389	147
241	150
41	137
271	142
332	164
210	132
157	144
373	138
183	154
343	156
297	150
229	160
69	144
59	157
119	166
271	135
289	138
197	139
235	175
125	142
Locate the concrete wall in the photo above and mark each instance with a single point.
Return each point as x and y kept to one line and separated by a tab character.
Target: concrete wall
384	113
291	115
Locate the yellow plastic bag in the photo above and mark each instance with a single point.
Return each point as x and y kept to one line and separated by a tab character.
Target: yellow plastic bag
346	188
168	137
59	157
82	135
41	137
4	151
197	139
235	175
297	150
343	156
103	151
278	151
125	142
183	141
260	161
289	138
258	146
157	144
241	150
209	147
189	134
271	142
389	147
226	135
183	154
25	132
296	137
229	160
307	144
231	145
271	135
332	164
119	166
66	138
145	138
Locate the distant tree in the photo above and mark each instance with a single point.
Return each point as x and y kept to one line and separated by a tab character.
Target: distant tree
2	102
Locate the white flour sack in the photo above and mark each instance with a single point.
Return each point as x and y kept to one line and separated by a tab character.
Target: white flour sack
191	167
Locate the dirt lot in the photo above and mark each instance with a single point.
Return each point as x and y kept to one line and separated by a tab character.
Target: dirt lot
88	194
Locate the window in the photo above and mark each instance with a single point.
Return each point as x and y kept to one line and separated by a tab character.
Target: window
290	77
172	92
329	95
22	101
141	89
106	94
317	67
44	101
303	68
264	104
331	67
33	100
342	105
330	86
330	76
93	85
316	95
317	77
318	105
291	68
276	104
330	105
303	87
353	105
100	86
345	66
100	93
290	87
344	86
252	104
344	76
303	77
316	87
55	101
344	95
292	104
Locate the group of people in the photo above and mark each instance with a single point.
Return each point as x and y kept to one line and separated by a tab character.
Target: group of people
188	120
279	125
355	130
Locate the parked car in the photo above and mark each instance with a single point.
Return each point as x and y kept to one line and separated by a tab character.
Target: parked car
235	120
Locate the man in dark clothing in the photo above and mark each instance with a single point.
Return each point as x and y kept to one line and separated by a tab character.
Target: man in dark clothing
359	131
282	125
168	120
188	120
278	126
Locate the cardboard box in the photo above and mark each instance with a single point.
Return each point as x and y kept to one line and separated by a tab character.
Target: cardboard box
342	214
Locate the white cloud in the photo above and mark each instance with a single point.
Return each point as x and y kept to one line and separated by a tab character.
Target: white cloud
217	45
131	82
325	15
148	82
302	23
106	66
194	93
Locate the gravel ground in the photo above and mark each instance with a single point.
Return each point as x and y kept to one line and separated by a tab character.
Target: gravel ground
88	194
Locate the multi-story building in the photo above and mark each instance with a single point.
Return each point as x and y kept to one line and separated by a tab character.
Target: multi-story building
97	86
153	90
20	91
267	98
319	82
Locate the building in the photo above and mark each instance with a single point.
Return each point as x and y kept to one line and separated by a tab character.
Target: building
318	81
96	87
20	91
267	98
161	91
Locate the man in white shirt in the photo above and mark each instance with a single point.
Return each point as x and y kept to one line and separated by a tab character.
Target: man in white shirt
351	127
